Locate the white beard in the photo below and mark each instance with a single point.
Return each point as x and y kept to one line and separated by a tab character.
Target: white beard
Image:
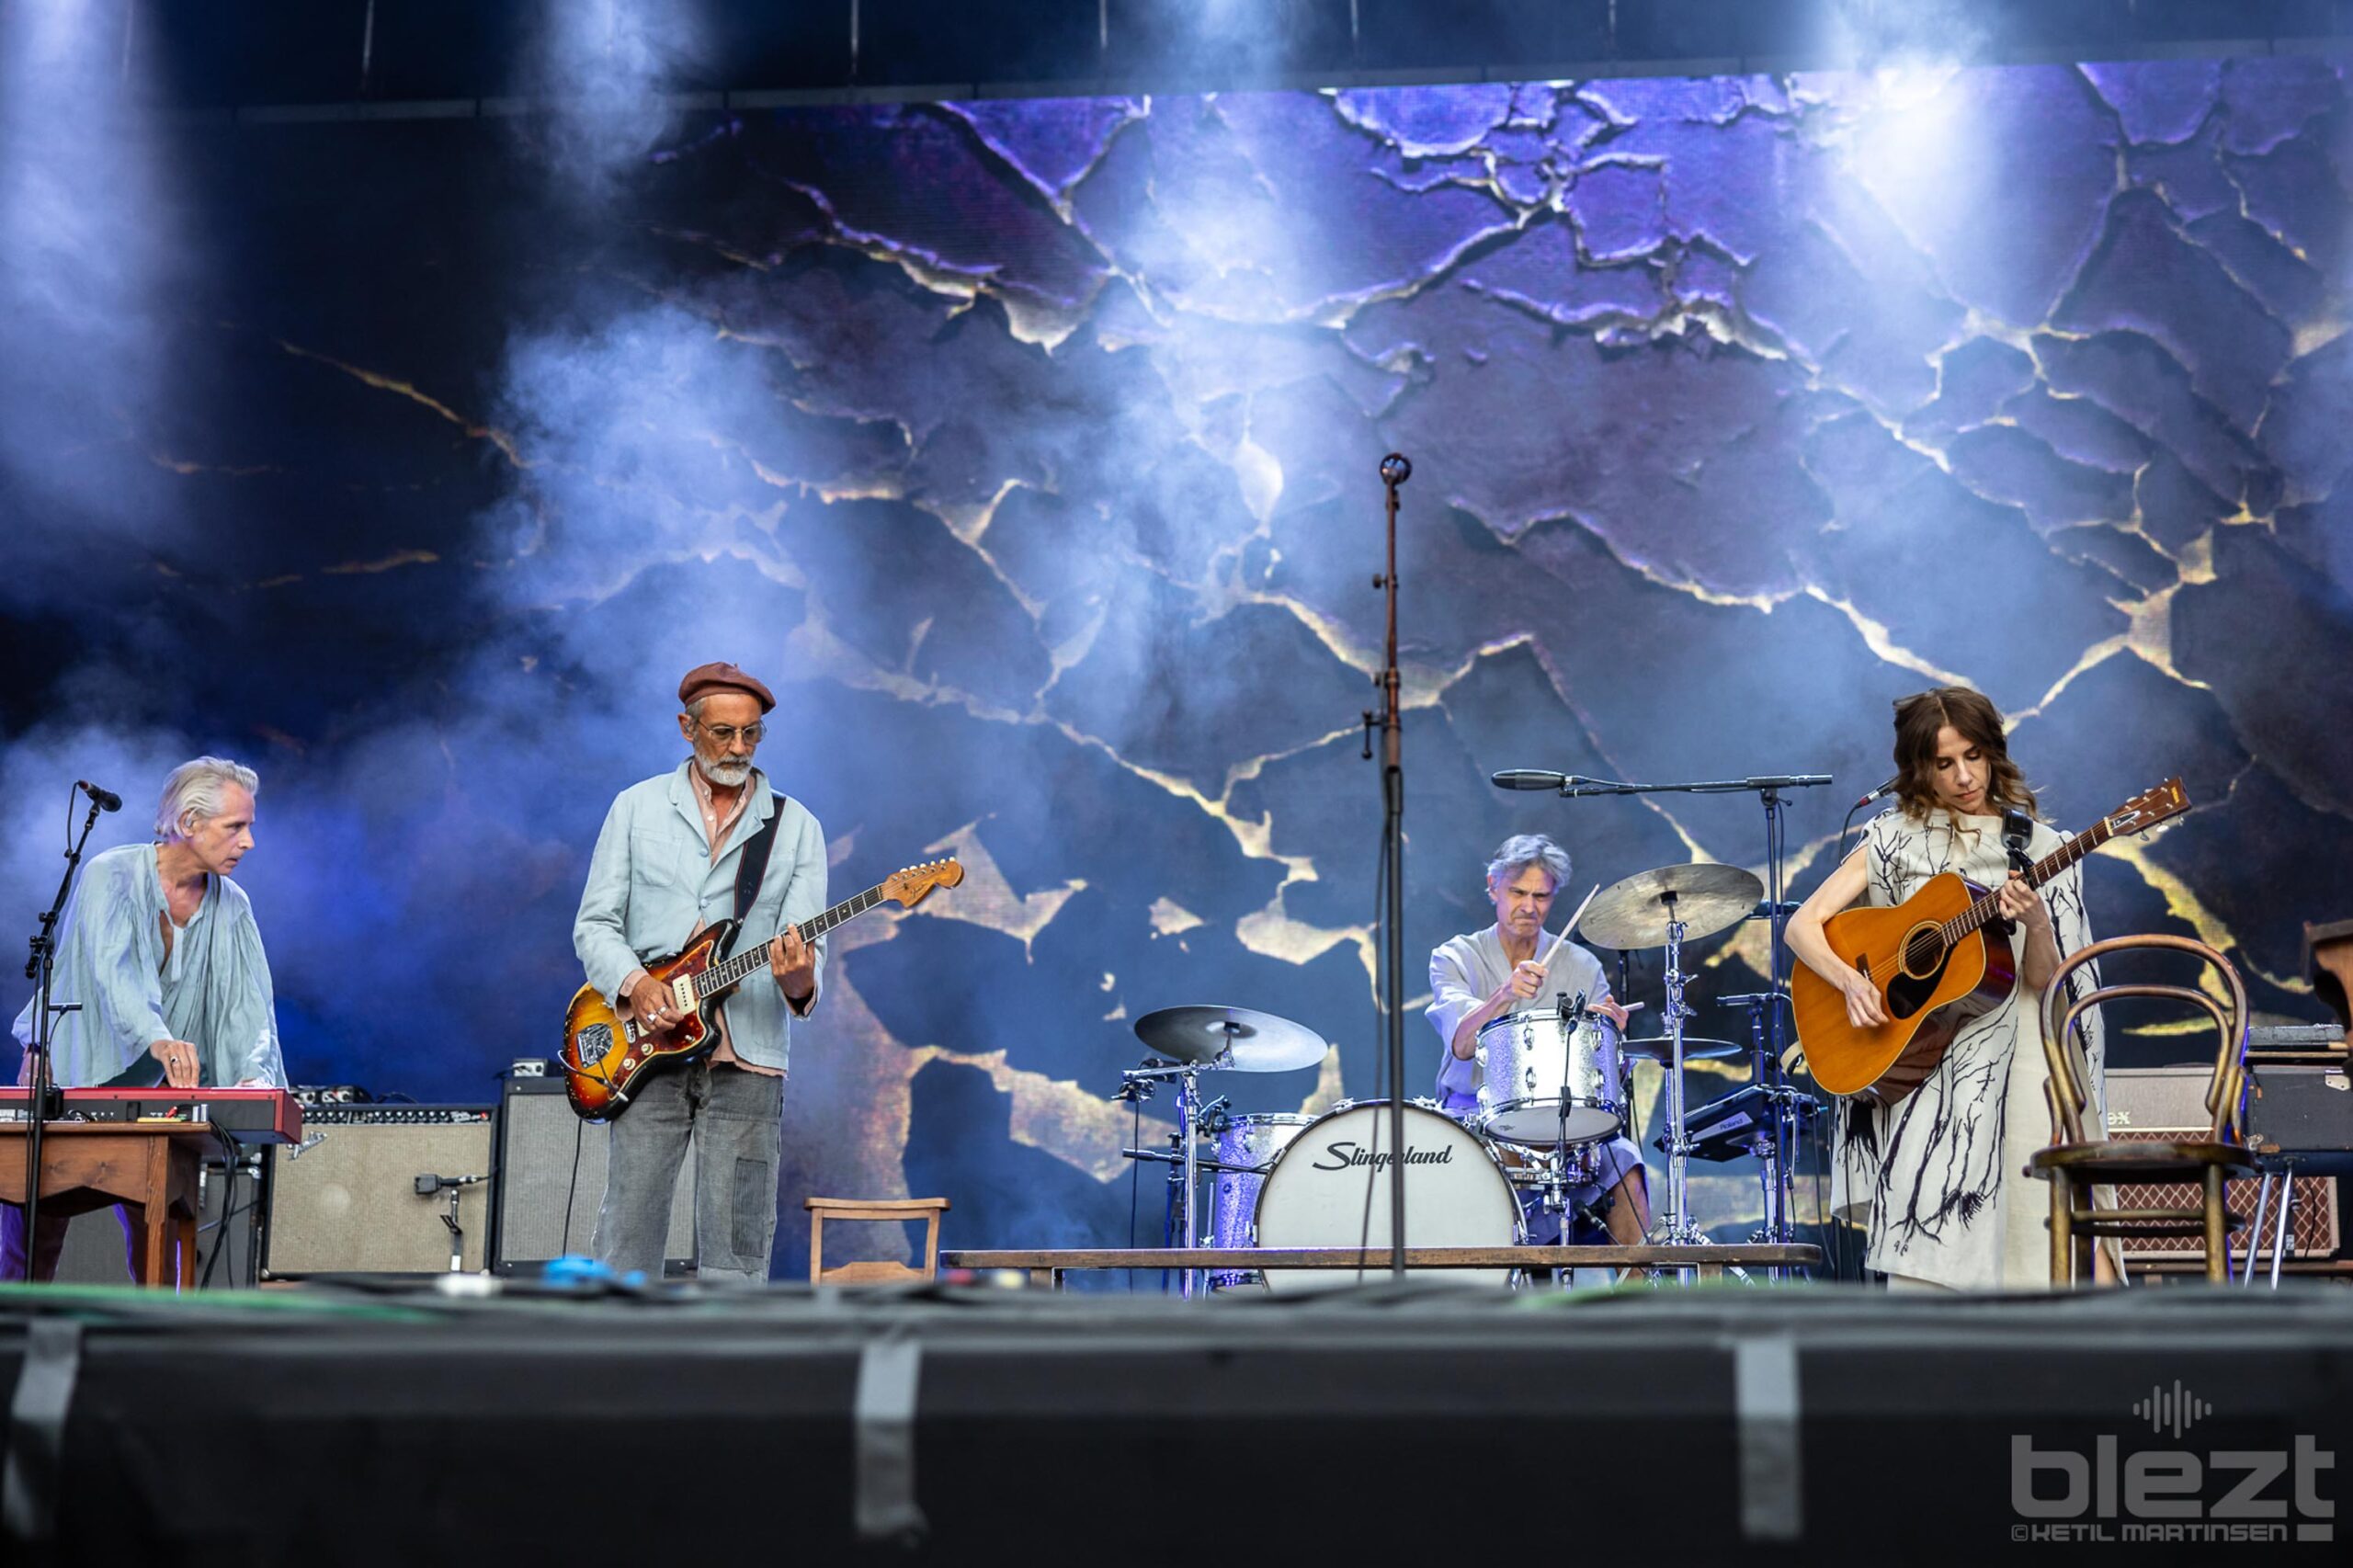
726	775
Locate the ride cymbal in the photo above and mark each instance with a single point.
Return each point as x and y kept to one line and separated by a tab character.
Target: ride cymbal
1636	912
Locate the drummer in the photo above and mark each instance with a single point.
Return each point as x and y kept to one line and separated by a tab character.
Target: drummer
1485	976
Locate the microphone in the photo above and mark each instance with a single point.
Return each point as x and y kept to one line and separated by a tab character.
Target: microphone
428	1184
1395	470
105	800
1527	778
1886	788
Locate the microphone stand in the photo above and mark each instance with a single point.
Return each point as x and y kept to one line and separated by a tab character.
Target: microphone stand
42	1101
1394	471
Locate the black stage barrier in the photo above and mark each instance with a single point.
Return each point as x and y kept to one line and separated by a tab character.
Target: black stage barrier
976	1424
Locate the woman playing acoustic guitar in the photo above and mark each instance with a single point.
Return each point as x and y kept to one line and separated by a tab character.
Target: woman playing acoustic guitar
1937	1180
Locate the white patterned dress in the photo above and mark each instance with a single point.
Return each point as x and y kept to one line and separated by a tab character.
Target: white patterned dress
1939	1180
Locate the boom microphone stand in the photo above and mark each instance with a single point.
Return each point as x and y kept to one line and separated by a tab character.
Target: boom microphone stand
42	1102
1394	471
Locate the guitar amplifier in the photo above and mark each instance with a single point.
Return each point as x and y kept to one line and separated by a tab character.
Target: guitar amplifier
344	1200
552	1182
2170	1103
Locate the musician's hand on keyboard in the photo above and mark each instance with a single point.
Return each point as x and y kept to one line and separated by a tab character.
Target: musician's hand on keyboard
179	1061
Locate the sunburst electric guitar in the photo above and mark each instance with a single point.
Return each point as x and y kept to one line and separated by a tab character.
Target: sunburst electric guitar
1934	964
606	1053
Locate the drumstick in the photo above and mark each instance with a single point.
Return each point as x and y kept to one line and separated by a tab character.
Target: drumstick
1554	950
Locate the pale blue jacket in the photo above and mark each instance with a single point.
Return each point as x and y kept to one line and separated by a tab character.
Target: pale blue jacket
651	882
213	992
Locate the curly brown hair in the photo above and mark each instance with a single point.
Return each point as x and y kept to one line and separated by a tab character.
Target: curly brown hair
1922	716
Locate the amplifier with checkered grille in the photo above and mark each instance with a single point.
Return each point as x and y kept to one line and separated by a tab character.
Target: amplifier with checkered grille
2170	1102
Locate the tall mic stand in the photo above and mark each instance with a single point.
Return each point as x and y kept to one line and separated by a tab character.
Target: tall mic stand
1394	471
42	1102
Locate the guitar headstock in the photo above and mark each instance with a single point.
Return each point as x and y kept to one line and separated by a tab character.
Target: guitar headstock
2147	809
913	885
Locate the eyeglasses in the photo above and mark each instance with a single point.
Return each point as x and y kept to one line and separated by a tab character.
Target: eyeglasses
726	733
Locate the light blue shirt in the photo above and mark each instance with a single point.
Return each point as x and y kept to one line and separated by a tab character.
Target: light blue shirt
213	991
651	882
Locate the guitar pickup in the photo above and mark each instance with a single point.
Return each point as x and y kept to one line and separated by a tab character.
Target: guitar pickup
683	989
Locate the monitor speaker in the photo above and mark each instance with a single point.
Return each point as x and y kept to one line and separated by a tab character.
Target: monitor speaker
551	1181
345	1201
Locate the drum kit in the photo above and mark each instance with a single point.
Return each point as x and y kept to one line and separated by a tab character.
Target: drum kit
1555	1086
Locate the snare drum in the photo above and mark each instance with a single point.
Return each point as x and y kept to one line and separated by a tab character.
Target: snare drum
1530	1062
1247	1142
1330	1188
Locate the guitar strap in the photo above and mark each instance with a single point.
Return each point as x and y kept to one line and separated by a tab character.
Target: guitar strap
753	870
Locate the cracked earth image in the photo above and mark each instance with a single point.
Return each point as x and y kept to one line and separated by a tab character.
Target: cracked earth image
1028	448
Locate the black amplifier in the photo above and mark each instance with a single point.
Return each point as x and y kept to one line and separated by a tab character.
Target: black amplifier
2302	1113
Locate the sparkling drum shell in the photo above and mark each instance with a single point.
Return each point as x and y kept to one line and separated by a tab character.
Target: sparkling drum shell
1528	1062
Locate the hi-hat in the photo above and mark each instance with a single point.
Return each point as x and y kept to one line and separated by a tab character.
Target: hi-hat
1261	1042
1636	912
1659	1048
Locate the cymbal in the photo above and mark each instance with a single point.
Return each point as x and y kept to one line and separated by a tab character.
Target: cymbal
1261	1041
1661	1048
1634	912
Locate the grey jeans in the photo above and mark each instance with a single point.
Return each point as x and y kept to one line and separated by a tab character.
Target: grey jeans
735	1120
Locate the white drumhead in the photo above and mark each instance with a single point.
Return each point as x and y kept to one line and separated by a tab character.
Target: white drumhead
1330	1188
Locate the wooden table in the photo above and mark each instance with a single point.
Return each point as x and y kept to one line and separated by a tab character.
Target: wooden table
1046	1266
152	1166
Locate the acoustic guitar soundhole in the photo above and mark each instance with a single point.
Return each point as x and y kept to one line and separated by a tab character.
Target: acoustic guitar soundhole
1923	954
595	1044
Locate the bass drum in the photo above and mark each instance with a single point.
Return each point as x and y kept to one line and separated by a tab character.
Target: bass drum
1330	1188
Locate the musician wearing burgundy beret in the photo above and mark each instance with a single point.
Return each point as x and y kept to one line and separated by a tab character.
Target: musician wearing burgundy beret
666	865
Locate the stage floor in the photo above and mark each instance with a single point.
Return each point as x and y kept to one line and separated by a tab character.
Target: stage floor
985	1424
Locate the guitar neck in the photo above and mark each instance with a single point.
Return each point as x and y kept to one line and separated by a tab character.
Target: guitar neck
2042	872
725	975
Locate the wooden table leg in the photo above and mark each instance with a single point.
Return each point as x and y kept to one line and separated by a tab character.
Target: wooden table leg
1711	1271
1051	1278
184	1244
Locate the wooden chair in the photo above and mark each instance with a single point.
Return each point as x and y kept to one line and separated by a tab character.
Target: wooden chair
875	1272
2076	1162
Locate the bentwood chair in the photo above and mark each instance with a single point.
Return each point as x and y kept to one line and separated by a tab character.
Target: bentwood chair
2077	1161
874	1272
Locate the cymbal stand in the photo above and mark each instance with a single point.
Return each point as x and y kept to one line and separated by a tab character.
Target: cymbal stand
1680	1232
1187	1171
1777	1152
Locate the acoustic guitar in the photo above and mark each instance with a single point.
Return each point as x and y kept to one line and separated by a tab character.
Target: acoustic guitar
1934	964
606	1053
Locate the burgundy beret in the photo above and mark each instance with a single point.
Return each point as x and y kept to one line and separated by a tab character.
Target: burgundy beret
704	679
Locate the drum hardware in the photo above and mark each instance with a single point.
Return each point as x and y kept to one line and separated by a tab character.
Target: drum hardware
1200	1039
1171	1157
1784	1110
1673	903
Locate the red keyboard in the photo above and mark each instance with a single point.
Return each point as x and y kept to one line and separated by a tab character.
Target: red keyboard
249	1115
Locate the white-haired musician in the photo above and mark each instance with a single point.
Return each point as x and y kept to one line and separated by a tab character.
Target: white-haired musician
1485	976
162	962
